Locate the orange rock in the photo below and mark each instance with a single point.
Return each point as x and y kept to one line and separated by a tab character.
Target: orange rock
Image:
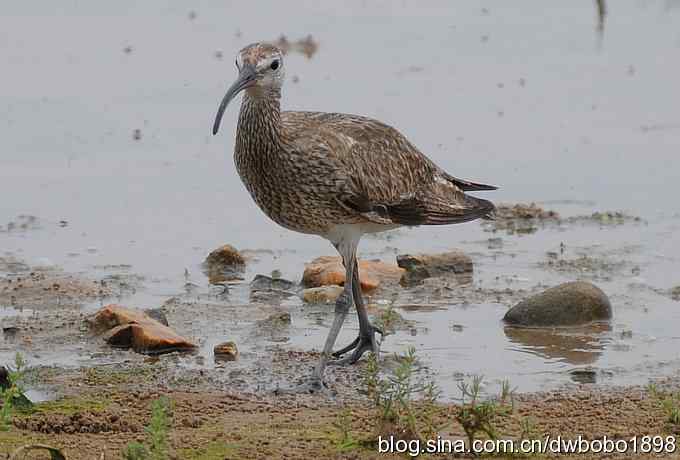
226	351
224	264
129	328
328	270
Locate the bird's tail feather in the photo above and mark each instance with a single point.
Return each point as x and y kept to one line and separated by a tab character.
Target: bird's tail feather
440	212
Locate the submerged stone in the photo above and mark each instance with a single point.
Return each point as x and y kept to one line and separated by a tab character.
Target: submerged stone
569	304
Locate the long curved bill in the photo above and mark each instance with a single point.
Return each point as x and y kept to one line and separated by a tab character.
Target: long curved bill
246	78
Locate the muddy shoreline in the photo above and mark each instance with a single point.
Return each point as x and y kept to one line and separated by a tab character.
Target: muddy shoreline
97	398
108	407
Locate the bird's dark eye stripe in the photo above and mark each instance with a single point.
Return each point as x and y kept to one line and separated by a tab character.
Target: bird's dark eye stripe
274	65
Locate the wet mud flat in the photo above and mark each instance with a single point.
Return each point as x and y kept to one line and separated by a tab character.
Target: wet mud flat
92	397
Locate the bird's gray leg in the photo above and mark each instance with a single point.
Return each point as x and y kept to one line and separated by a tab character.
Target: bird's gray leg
342	306
366	339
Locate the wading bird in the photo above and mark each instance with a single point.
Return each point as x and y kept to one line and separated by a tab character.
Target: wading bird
337	176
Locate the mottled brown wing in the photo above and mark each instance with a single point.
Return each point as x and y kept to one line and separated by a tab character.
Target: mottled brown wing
385	178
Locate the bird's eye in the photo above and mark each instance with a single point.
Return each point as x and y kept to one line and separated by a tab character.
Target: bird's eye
274	65
236	62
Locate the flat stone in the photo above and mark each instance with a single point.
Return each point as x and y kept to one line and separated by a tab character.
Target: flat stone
421	266
224	264
569	304
328	270
226	351
128	328
322	294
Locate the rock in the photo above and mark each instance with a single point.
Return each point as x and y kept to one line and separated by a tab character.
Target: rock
583	376
267	289
675	293
10	332
226	351
322	294
134	329
328	270
569	304
158	314
267	283
224	264
421	266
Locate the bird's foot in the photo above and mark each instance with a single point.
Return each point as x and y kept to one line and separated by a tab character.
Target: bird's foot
366	341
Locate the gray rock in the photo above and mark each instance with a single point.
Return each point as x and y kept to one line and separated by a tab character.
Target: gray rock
583	376
421	266
267	283
267	289
569	304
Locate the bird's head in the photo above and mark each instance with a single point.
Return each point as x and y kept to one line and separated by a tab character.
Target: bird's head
260	72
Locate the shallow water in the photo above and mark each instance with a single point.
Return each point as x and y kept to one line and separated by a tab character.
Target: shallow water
523	95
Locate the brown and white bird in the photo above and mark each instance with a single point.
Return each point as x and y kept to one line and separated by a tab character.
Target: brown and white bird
337	176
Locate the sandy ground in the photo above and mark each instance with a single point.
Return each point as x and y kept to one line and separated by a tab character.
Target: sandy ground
108	408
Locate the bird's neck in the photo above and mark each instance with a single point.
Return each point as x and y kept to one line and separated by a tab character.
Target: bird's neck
259	123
